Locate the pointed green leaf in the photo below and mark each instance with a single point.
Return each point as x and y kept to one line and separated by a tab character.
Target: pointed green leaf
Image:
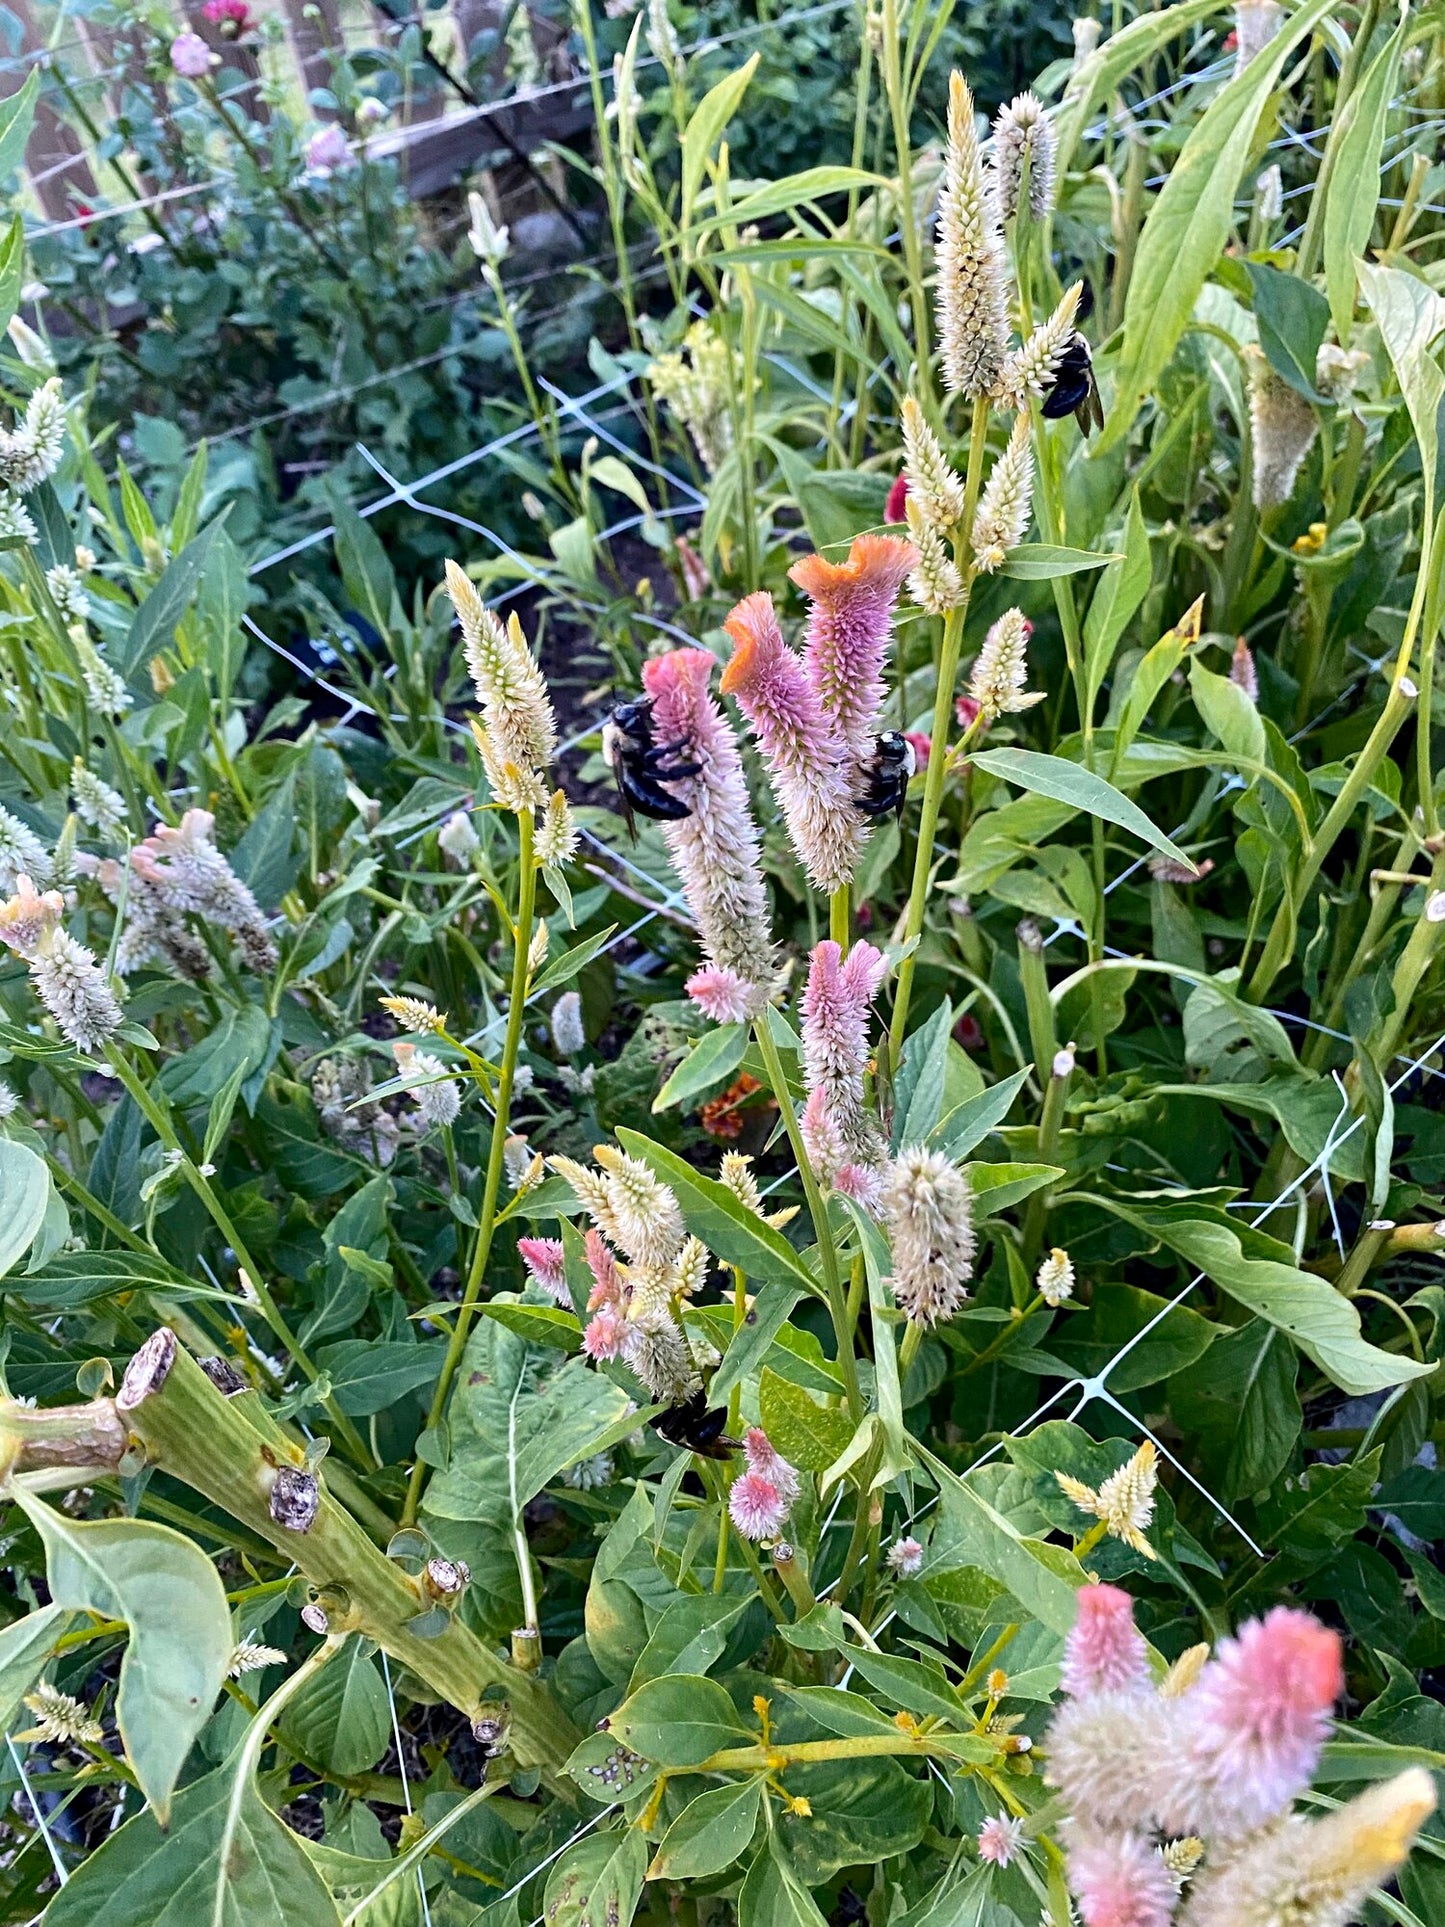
1081	789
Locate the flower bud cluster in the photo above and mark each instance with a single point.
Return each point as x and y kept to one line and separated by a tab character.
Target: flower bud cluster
693	384
177	874
67	978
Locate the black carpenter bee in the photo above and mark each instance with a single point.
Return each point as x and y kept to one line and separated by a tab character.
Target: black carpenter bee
642	765
1074	391
692	1426
886	775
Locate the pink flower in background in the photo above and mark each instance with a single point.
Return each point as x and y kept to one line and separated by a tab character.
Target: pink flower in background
328	150
190	56
764	1458
800	744
921	744
1105	1652
897	496
837	1003
1121	1881
607	1288
604	1335
759	1510
906	1557
233	17
715	849
849	629
546	1267
1000	1839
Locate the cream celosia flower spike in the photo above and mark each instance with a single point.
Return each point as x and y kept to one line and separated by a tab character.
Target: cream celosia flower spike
972	296
1003	513
518	732
1125	1501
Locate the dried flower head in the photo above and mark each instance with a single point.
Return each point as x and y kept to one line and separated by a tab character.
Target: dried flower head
1022	132
1282	427
1086	33
249	1656
716	848
1338	369
414	1014
928	1211
61	1720
971	275
1125	1500
1055	1279
927	473
999	678
190	877
1003	512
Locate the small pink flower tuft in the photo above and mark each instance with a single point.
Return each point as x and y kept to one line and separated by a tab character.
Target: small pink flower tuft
837	1129
849	628
546	1267
800	743
906	1557
715	849
758	1509
328	150
921	743
897	496
190	56
1257	1719
607	1290
604	1335
1000	1839
1121	1881
1105	1651
764	1458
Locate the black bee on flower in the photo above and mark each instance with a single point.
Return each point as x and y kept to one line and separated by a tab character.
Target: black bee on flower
886	776
642	767
695	1428
1073	391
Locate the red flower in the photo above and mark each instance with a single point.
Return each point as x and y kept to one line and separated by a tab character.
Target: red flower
966	710
969	1031
232	17
897	496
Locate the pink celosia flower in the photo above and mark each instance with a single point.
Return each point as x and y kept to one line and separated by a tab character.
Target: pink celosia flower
1121	1881
190	56
897	496
906	1557
607	1288
758	1509
801	745
233	17
849	627
603	1338
1258	1717
328	150
921	743
1105	1651
1242	671
546	1267
764	1458
715	849
1000	1839
836	1127
966	710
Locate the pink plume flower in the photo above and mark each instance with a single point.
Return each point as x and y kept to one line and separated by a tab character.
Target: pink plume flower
190	56
715	849
897	496
1000	1839
603	1338
758	1509
801	745
546	1267
607	1290
849	629
1121	1881
764	1458
1105	1652
836	1004
1256	1720
328	150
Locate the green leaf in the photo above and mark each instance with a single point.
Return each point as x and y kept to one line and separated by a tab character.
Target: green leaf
710	1833
1081	789
690	1636
911	1686
225	1860
768	1314
539	1324
571	961
996	1187
1115	602
241	1041
1239	1401
1315	1510
807	1434
1189	224
365	569
16	118
922	1075
878	1264
24	1195
970	1123
1228	713
678	1721
12	269
25	1649
1415	1498
77	1278
167	1592
153	626
1091	1340
598	1881
778	197
341	1717
774	1896
1043	1579
730	1231
704	129
1042	561
1409	314
370	1374
1292	317
1353	192
710	1062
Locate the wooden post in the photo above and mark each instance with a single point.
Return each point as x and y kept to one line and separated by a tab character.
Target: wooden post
55	159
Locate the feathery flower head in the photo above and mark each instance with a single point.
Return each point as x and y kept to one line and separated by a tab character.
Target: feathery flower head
653	1346
16	523
693	385
849	627
1000	1839
190	876
602	1340
524	1166
905	1556
928	1210
1269	193
1002	520
29	918
546	1267
1121	1881
927	473
1086	38
592	1191
329	151
1055	1278
1125	1501
1258	1717
1105	1651
799	740
60	1719
837	1129
935	584
33	349
972	293
716	848
437	1097
606	1280
9	1102
21	853
1242	672
1022	131
1182	1858
30	452
569	1039
457	838
518	736
487	239
646	1216
764	1458
96	803
1336	370
759	1510
1110	1755
897	496
190	56
250	1656
557	833
1000	674
67	592
1256	22
1030	369
414	1014
1283	427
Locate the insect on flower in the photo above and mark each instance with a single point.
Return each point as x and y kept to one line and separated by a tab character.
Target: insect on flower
641	765
887	773
692	1426
1073	391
